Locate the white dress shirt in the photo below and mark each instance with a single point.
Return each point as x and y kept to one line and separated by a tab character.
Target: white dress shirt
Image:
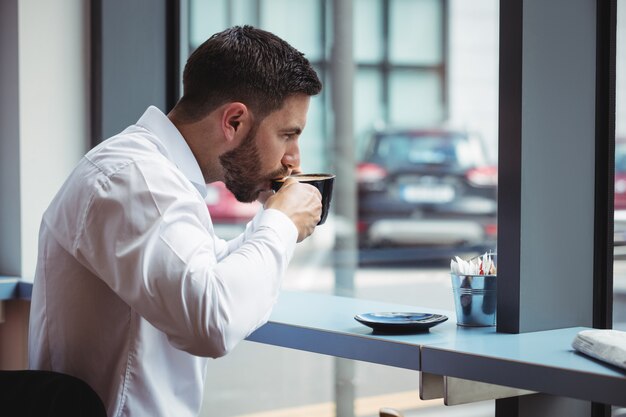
133	290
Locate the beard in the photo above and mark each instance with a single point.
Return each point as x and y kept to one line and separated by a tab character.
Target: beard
242	169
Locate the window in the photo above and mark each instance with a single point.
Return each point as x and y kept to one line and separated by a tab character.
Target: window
417	75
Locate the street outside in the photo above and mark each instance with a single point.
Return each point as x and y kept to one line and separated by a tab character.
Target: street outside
258	380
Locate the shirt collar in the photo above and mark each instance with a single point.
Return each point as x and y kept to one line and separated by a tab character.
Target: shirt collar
177	149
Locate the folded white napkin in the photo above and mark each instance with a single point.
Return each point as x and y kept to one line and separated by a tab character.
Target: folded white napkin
606	345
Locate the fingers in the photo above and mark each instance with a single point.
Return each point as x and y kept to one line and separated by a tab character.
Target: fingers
302	203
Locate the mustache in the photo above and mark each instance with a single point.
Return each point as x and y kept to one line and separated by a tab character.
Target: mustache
279	173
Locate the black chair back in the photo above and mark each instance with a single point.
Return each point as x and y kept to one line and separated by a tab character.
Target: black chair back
29	393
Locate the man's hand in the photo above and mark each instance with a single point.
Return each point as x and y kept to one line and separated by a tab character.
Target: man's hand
302	203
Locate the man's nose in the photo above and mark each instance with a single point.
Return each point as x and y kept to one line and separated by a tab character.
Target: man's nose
291	159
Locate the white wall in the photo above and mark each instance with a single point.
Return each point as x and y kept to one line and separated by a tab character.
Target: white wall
53	106
473	74
473	68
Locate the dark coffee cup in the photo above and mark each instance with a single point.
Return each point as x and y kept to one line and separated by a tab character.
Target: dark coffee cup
323	182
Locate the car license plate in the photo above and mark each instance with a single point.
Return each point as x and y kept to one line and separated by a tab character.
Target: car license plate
428	193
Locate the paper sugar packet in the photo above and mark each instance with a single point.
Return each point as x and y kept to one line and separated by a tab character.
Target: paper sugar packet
484	264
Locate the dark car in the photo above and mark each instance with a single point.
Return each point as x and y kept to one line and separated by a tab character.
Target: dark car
431	188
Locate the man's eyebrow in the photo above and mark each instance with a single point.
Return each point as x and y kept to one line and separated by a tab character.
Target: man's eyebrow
296	129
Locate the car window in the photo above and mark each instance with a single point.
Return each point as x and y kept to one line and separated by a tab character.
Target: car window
403	150
432	151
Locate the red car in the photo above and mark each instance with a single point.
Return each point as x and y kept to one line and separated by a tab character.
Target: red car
229	215
620	174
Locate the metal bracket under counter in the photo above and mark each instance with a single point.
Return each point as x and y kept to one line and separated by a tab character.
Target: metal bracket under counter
456	391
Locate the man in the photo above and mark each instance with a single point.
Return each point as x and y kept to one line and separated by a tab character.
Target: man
133	290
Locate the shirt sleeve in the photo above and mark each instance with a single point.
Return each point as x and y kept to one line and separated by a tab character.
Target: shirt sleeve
147	235
224	248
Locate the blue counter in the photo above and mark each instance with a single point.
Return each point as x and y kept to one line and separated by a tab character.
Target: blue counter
325	324
539	361
13	287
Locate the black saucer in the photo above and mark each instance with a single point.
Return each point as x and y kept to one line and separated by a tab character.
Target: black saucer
400	323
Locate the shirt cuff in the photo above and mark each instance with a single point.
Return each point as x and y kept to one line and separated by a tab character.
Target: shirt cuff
282	224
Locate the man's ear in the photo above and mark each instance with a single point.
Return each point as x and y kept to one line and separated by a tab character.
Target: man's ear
235	117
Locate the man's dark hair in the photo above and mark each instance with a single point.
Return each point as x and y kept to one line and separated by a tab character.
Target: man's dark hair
248	65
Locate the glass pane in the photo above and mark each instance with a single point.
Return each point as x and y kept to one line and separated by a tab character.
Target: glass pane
619	266
313	142
243	12
415	32
415	98
205	18
285	19
368	31
407	91
368	105
473	70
